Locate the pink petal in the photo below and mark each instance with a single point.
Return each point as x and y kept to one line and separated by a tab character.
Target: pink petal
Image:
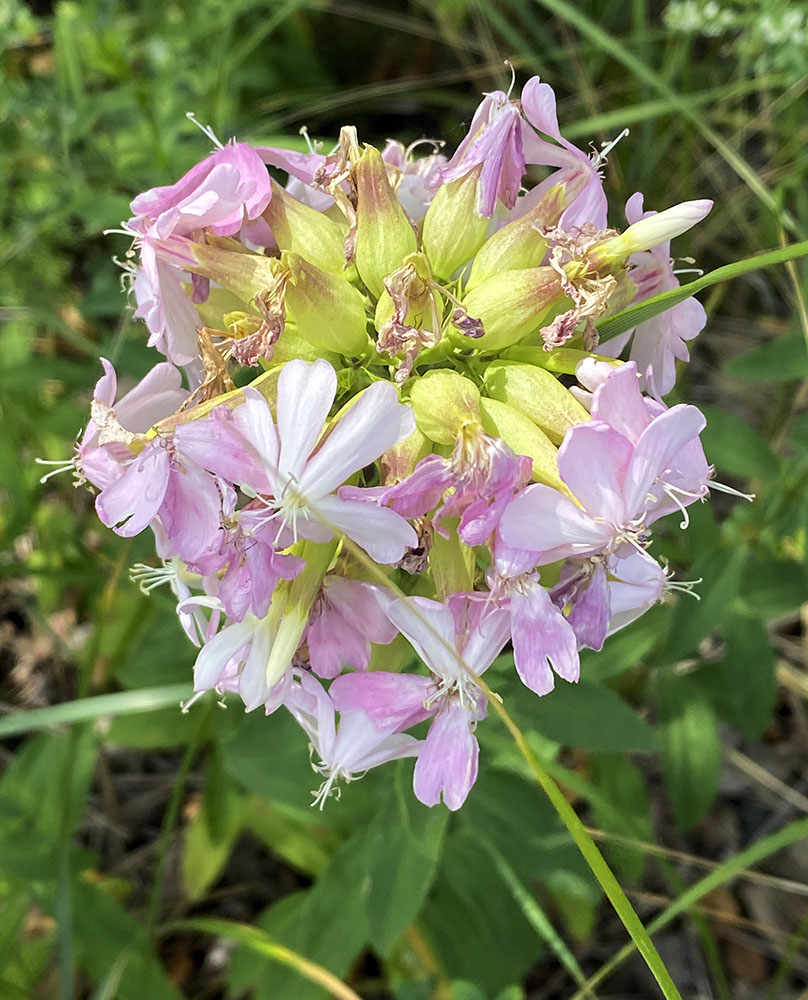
392	701
382	533
542	638
305	394
542	520
133	500
447	765
373	424
593	461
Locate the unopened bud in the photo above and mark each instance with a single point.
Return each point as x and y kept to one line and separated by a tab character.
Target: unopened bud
650	232
453	228
305	231
444	402
537	394
510	306
384	235
451	562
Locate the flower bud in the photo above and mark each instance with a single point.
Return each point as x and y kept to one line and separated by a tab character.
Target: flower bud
305	231
509	305
523	437
521	243
453	228
444	402
537	394
326	309
650	232
383	232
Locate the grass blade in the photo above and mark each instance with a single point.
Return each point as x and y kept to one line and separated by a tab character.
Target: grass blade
629	318
87	709
536	916
652	79
262	944
752	855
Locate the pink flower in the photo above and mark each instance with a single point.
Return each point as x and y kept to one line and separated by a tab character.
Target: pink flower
101	455
228	187
304	471
346	751
544	641
480	477
445	638
618	484
348	616
574	167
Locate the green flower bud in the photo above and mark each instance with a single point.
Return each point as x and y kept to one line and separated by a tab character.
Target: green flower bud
383	232
523	437
303	230
509	305
521	243
537	394
444	402
326	309
453	228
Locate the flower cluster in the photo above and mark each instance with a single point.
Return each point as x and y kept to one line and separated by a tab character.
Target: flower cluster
384	418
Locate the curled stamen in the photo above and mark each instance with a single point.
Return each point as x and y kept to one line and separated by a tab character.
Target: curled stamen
509	64
60	465
668	491
148	578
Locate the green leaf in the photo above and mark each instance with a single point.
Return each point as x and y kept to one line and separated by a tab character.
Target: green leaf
720	572
327	924
780	359
771	586
743	687
204	855
625	789
590	716
403	847
108	937
471	922
735	448
691	754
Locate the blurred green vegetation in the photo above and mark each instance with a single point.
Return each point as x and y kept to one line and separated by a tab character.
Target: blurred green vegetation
93	860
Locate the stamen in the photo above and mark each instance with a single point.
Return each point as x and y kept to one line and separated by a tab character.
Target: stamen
668	491
509	64
599	158
731	491
205	129
148	578
186	705
61	465
305	133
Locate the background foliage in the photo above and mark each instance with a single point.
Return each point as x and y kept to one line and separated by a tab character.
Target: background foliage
115	828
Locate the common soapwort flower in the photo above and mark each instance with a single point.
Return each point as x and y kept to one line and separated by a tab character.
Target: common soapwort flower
359	442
